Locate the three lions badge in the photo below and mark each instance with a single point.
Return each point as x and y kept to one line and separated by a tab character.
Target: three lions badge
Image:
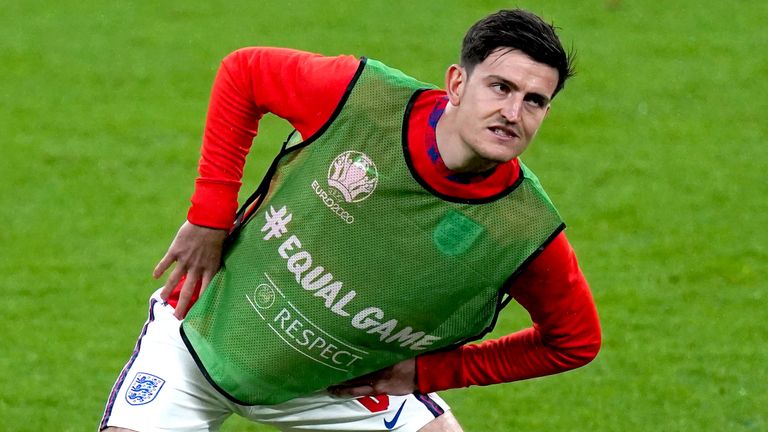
143	389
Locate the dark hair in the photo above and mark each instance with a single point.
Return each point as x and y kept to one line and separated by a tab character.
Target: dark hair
519	30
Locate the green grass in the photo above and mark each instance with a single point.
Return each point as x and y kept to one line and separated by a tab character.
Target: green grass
655	154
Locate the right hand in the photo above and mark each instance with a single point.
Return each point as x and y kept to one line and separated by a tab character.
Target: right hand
398	379
196	250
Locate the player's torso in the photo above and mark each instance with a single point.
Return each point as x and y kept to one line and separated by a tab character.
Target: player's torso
349	264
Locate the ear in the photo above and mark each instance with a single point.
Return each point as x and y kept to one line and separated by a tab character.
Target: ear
455	79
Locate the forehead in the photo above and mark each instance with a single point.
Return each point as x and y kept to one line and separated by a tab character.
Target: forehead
517	67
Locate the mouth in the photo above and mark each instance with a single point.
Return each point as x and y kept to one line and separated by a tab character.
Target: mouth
503	132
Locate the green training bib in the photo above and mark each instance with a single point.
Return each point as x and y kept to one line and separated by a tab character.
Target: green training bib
350	264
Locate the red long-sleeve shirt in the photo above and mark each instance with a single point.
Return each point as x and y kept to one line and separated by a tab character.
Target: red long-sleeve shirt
304	89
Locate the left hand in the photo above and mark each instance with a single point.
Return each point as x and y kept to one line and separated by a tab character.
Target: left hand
399	379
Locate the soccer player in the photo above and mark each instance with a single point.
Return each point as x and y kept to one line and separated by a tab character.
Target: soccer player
382	241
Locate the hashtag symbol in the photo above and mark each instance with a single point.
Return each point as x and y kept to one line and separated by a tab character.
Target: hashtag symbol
277	222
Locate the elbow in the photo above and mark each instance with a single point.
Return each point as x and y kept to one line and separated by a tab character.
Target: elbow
589	352
586	350
578	350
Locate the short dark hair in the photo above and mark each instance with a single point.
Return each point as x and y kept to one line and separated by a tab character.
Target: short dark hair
517	29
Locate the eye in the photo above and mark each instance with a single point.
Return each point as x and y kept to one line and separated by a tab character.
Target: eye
500	87
535	100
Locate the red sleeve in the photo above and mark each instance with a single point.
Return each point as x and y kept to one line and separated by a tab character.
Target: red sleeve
301	87
565	333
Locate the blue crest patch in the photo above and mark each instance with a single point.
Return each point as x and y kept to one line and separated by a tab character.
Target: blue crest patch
143	388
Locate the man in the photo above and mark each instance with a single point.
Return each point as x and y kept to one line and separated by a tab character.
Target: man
373	251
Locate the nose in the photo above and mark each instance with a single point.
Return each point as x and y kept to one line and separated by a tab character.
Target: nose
512	109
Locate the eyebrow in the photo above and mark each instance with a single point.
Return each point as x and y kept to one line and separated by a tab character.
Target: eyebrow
544	99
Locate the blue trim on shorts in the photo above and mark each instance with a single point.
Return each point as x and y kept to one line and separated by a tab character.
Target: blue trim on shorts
124	372
431	405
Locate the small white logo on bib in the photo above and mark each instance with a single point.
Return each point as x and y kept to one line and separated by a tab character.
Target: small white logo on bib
354	175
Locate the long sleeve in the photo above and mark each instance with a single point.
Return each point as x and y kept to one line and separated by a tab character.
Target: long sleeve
565	333
301	87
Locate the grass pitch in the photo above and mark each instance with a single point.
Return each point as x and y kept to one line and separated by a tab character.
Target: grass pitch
654	153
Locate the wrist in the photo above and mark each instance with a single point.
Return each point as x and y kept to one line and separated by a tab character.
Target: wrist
214	204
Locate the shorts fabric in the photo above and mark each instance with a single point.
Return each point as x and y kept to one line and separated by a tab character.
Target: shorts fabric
161	389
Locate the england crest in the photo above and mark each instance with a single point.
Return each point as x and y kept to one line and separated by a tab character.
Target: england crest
143	388
456	233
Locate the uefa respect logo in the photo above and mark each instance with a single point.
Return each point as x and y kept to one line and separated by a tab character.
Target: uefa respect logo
352	177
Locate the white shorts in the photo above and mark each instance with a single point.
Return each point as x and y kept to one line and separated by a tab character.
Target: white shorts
162	389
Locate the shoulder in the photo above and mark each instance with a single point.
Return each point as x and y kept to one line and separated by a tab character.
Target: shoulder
301	62
555	266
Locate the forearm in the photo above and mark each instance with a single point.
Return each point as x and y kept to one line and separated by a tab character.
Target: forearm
518	356
565	333
231	124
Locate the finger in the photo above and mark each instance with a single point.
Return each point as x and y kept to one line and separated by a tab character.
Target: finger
187	290
206	280
354	382
362	391
173	281
163	265
358	391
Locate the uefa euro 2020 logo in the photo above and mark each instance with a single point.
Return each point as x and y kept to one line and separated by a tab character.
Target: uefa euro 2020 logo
354	175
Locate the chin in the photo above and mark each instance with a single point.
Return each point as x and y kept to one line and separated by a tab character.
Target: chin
499	152
498	156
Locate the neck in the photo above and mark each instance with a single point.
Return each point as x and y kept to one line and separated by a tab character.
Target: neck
455	153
